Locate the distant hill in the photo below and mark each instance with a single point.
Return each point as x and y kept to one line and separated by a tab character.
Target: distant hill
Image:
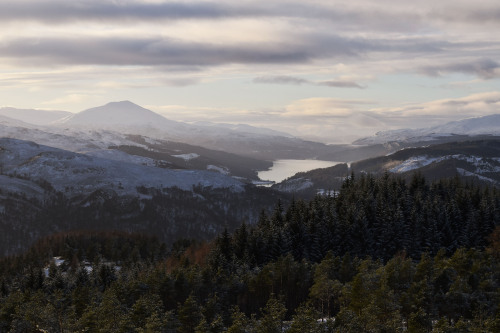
79	174
244	140
35	117
115	114
486	125
478	160
475	160
318	181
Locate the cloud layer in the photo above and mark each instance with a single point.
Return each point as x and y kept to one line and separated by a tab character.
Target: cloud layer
372	64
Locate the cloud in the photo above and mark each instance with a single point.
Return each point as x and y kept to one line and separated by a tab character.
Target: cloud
340	84
484	68
479	104
144	51
281	79
66	11
72	98
342	120
323	107
284	79
382	16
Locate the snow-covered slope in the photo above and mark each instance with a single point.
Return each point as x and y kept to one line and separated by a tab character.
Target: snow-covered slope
83	141
32	116
8	121
479	159
487	125
77	173
472	126
128	118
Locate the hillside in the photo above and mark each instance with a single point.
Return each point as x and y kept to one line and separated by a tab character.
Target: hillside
76	174
382	255
35	117
478	161
452	131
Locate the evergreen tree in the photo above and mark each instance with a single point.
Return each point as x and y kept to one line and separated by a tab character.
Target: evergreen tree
273	315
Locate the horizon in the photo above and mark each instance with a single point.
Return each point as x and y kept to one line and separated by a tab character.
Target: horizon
235	124
323	71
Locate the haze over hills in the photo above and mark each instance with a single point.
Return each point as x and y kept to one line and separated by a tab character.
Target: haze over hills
32	116
112	121
128	118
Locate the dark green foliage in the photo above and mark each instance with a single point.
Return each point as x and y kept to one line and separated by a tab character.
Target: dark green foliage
366	260
168	214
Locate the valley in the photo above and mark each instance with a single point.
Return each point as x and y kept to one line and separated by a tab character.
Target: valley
89	173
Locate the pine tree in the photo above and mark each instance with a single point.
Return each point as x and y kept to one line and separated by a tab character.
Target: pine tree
305	320
189	314
272	318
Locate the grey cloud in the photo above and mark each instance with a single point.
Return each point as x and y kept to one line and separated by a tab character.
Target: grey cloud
50	11
145	52
64	11
165	52
280	79
346	18
181	82
284	79
169	53
483	68
475	13
340	84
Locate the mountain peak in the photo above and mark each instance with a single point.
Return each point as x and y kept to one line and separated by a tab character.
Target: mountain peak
122	113
125	103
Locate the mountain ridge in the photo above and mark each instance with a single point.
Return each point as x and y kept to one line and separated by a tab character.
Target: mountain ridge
34	116
484	125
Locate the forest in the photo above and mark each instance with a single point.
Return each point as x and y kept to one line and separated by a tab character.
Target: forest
380	255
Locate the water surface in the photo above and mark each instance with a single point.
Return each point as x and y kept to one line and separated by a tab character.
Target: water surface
282	169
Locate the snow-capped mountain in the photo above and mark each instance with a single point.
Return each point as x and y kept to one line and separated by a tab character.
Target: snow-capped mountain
32	116
74	173
115	114
129	118
486	125
137	149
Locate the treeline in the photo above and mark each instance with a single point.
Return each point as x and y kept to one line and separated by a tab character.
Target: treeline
375	217
290	272
168	214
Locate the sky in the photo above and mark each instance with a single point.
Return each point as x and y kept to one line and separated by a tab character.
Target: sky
326	70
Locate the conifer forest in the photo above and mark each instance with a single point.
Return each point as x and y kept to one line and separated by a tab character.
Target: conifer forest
380	255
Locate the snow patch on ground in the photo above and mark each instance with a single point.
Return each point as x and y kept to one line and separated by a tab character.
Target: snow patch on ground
187	157
482	165
413	163
471	174
117	155
76	173
221	170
